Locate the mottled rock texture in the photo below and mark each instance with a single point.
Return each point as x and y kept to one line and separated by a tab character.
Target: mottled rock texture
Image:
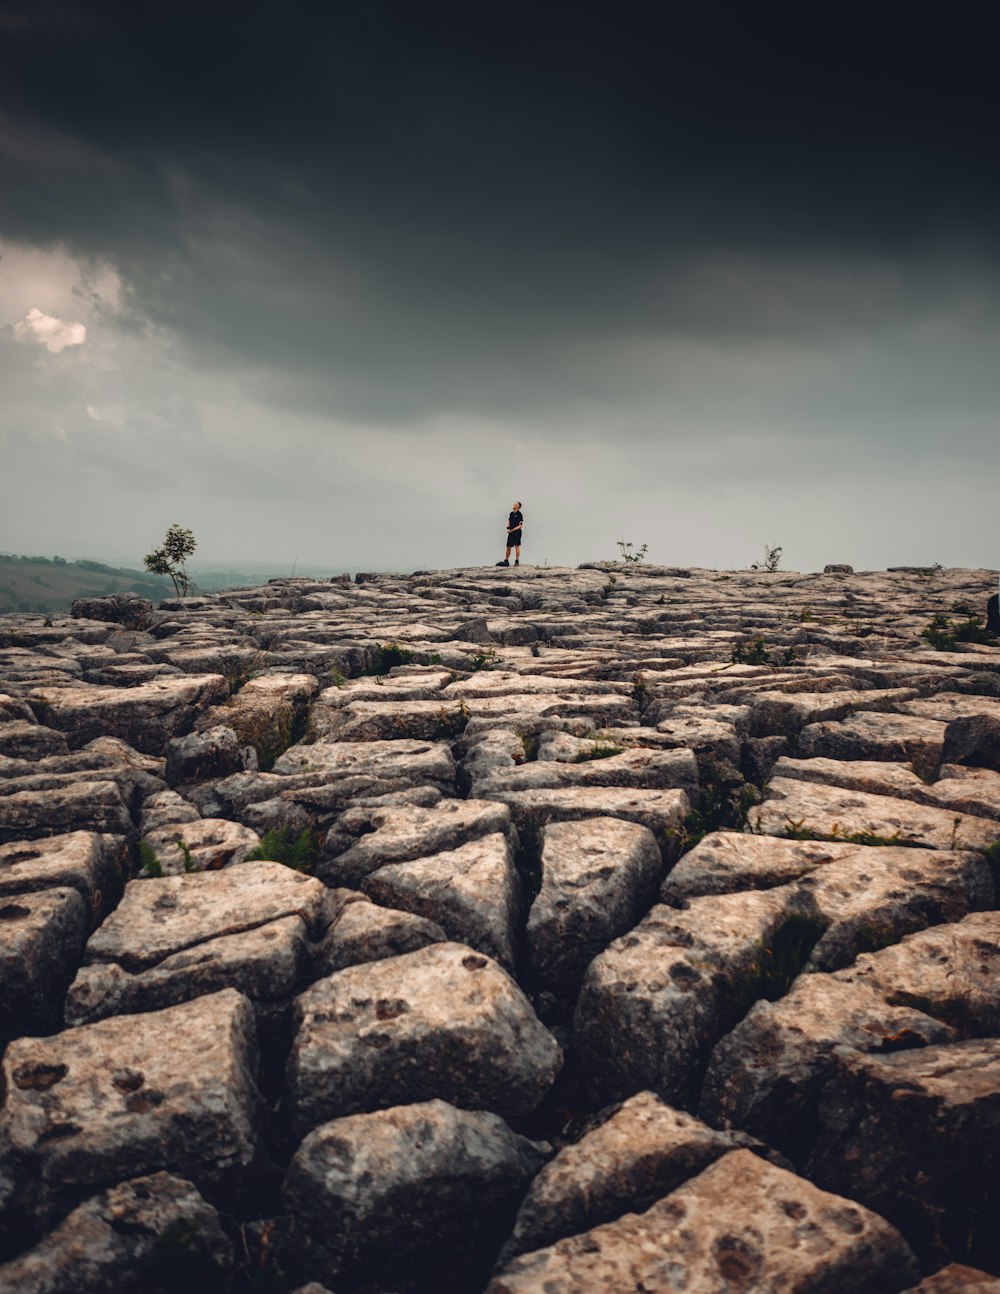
523	929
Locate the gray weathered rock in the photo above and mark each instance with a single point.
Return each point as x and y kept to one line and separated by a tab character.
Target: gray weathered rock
653	1003
738	1225
90	804
118	1239
93	864
129	609
641	1152
42	935
146	716
363	840
441	1022
412	1192
473	893
362	931
213	752
598	878
22	740
104	1102
767	1075
212	843
915	1135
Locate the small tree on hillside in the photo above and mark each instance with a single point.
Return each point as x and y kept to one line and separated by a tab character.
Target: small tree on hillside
171	558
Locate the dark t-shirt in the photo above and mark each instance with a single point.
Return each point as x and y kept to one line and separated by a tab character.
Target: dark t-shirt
515	520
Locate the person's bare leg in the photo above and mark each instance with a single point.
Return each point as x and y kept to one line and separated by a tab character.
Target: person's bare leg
517	555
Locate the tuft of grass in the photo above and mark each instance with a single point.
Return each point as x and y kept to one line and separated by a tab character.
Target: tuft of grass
278	846
942	634
190	864
530	744
781	961
487	659
388	656
795	829
151	867
599	750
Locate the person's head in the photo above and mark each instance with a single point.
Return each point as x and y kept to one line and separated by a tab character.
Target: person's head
517	505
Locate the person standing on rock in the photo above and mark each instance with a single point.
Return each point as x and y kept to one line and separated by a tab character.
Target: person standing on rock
515	523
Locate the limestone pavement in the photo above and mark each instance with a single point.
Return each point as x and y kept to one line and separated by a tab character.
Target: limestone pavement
620	928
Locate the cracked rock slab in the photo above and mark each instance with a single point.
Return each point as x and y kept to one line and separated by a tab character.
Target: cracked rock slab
363	840
162	916
444	1021
115	1240
473	893
641	1152
42	935
413	1191
147	716
793	807
94	865
362	931
214	843
137	1094
86	805
742	1224
661	811
934	987
652	1003
598	878
916	1136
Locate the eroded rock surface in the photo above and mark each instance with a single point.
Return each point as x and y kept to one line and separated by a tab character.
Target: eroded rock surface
721	846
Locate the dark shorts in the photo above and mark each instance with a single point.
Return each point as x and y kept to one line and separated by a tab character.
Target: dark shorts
513	539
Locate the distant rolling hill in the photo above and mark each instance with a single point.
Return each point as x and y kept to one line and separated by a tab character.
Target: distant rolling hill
49	584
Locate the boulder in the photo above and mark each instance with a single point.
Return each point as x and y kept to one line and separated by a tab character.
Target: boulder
440	1022
421	1192
739	1225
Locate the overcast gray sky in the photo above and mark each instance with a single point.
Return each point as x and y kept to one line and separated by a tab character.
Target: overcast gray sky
339	286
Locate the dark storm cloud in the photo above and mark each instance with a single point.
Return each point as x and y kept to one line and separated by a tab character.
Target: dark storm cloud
393	210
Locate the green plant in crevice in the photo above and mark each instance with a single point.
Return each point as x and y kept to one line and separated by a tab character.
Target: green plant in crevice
188	859
782	958
388	656
599	750
150	865
942	634
279	846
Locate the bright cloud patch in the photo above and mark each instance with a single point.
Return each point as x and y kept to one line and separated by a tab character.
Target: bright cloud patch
52	333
